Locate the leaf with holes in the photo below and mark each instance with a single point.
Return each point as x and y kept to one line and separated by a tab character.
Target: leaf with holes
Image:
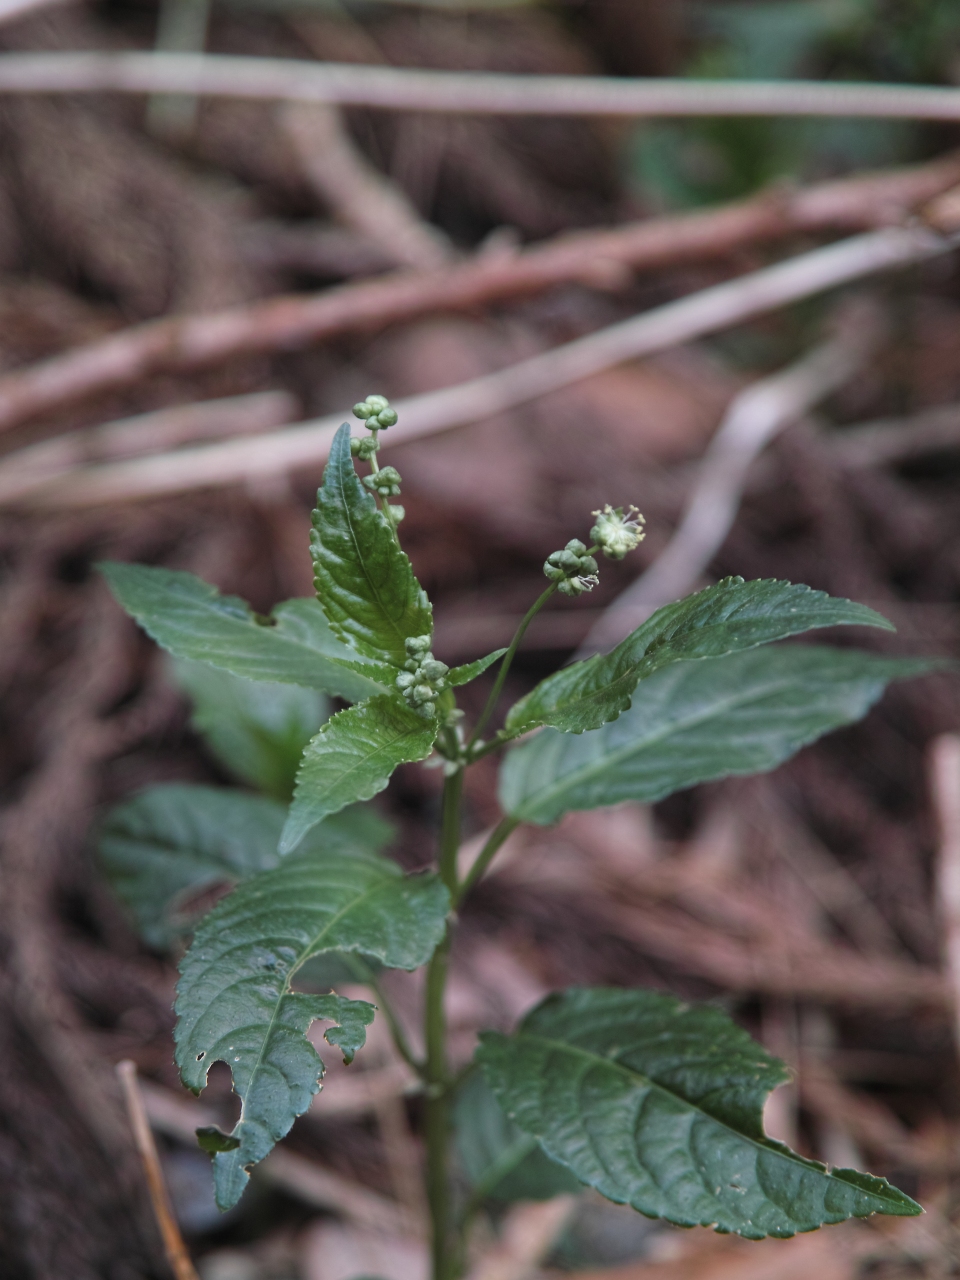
352	758
191	619
696	721
235	1003
162	848
364	581
726	618
659	1105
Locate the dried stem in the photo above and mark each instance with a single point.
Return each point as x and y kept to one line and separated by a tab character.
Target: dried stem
656	330
473	92
173	1245
602	259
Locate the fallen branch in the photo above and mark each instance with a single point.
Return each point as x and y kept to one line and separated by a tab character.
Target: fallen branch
752	420
663	327
604	259
180	1118
473	92
26	469
945	793
173	1245
358	194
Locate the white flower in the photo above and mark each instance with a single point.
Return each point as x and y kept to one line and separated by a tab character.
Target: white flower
616	533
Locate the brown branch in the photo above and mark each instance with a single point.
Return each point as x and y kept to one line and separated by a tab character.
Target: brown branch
358	194
475	92
755	293
173	1245
600	258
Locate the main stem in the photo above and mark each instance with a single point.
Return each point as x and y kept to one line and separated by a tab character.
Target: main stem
437	1071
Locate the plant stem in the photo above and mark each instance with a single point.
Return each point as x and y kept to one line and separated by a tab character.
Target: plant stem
501	831
437	1115
508	657
437	1072
384	502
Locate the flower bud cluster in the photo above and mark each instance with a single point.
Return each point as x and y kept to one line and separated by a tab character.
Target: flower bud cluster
572	569
376	412
616	533
386	482
422	680
364	447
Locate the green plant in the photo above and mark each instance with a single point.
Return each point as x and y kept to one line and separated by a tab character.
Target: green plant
655	1103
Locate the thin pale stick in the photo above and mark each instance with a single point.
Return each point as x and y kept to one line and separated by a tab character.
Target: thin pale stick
656	330
945	793
601	259
468	92
173	1245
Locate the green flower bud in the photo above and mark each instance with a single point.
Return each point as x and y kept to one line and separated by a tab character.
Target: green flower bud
427	709
588	564
569	560
387	418
433	670
364	447
417	644
576	546
396	512
362	410
578	585
377	404
553	572
422	692
406	680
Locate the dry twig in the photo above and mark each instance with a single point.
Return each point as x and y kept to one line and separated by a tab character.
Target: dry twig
945	789
173	1245
663	327
358	194
474	92
602	258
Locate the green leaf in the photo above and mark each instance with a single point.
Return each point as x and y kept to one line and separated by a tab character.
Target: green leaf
470	670
212	1139
364	580
725	618
352	758
162	847
257	730
191	619
235	1002
694	721
658	1104
502	1162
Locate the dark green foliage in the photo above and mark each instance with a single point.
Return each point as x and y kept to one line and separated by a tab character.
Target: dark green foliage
502	1162
256	730
192	620
364	581
352	758
659	1105
235	1003
695	721
726	618
164	846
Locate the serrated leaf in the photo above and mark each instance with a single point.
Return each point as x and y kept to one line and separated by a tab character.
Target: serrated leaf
728	617
502	1162
352	758
364	581
257	730
658	1104
163	846
695	721
470	670
191	619
235	1002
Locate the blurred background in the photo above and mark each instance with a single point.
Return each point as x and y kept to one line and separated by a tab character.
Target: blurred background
177	274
